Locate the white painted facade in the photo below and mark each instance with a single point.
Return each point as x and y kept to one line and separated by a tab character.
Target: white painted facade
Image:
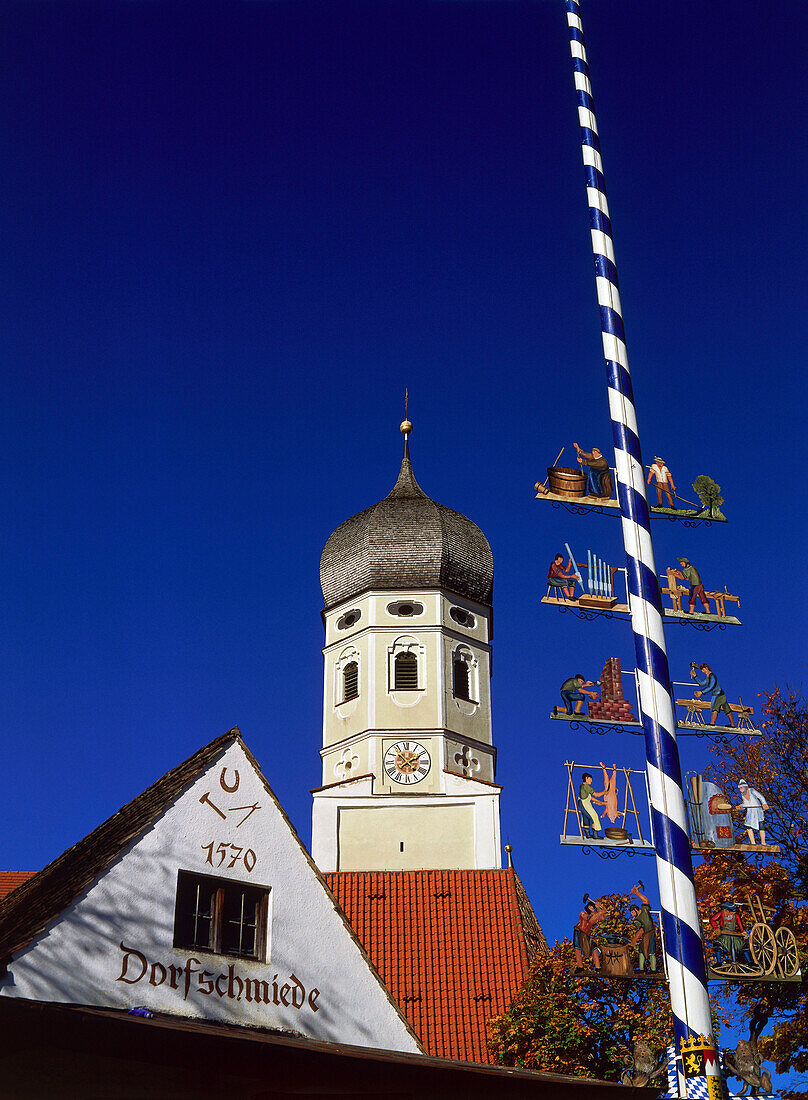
362	815
113	946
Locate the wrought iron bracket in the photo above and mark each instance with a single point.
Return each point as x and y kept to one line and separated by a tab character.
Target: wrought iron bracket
585	509
691	521
613	853
600	730
587	614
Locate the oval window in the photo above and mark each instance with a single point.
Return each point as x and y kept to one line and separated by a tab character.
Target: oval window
405	608
460	615
349	618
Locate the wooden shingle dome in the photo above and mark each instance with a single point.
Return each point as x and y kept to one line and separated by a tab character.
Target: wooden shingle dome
407	541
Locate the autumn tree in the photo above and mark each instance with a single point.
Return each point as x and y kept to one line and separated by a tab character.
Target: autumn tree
774	763
783	1006
581	1025
563	1023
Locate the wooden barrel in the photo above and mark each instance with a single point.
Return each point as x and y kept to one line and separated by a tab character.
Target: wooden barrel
620	835
566	482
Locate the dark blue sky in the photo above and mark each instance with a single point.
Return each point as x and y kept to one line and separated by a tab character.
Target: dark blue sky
234	232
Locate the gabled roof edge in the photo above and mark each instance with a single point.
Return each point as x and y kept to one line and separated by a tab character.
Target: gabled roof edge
535	940
29	908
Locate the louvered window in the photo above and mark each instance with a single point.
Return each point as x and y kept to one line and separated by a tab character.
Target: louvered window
461	679
350	681
406	672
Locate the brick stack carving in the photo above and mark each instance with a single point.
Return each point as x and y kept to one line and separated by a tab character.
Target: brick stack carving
612	705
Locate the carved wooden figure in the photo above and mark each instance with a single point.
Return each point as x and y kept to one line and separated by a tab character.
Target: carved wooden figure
747	944
711	825
643	1065
744	1062
585	805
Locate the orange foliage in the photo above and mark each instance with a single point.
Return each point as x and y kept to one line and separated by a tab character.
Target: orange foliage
776	764
562	1023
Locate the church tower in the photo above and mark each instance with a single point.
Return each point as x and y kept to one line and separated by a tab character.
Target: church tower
408	756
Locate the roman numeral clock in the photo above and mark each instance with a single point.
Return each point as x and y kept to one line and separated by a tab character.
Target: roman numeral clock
407	762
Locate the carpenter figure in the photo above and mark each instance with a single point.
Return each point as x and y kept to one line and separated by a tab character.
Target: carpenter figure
709	686
689	573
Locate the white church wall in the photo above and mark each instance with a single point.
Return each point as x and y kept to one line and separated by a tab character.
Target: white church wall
468	839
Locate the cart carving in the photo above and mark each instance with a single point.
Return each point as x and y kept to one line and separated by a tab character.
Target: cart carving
761	952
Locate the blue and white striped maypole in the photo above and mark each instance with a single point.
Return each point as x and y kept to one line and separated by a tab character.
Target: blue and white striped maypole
683	946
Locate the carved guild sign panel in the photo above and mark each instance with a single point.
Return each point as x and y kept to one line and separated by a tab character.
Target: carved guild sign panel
221	856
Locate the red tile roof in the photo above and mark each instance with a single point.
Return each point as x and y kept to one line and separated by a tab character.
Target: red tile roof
453	947
10	880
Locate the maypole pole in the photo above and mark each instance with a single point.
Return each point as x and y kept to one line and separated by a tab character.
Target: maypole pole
683	946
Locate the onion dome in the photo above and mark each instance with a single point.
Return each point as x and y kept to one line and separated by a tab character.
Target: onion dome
407	541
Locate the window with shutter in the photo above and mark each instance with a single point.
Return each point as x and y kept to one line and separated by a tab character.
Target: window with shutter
461	679
350	681
406	672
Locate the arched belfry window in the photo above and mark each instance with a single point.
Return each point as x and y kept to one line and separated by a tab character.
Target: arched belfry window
350	681
461	679
405	672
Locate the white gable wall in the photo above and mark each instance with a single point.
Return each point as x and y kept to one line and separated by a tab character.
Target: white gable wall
113	946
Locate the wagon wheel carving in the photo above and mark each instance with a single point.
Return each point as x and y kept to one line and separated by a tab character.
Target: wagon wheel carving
730	968
763	947
788	959
726	968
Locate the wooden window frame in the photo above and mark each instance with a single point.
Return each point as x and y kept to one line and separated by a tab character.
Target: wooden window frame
221	888
462	657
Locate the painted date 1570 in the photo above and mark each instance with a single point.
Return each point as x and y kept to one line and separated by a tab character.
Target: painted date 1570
232	851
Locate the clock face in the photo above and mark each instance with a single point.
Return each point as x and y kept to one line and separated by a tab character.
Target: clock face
407	762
